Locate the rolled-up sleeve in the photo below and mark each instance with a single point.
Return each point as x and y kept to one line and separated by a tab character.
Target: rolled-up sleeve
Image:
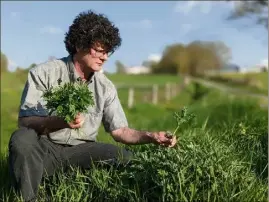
113	116
32	103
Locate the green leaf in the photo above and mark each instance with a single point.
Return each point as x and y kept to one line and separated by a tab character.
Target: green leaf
69	99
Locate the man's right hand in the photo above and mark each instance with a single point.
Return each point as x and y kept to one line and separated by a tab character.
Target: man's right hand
77	123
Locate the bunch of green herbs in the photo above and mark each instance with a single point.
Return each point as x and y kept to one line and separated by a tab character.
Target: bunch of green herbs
67	100
182	118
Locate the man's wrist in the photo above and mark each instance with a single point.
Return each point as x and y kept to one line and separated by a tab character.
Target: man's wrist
53	123
150	137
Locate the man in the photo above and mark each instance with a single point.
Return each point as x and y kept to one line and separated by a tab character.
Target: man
43	143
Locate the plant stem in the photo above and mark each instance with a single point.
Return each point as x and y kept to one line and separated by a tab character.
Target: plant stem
175	130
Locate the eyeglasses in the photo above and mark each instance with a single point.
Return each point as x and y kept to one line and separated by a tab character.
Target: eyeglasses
101	53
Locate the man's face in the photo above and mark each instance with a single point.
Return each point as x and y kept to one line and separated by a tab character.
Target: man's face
95	57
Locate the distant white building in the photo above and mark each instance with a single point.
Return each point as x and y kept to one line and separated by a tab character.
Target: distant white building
264	65
261	67
137	70
265	62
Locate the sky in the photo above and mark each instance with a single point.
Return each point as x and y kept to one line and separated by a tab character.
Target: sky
31	31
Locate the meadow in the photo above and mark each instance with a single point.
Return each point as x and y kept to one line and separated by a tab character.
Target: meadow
221	156
255	82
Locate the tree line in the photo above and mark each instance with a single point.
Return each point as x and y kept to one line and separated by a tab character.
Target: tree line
195	58
199	57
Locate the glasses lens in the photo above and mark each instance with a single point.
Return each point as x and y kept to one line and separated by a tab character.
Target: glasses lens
99	54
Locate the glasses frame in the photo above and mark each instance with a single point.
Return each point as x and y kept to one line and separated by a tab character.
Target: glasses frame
100	53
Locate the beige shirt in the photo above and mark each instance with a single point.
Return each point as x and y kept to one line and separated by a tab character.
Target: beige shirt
107	108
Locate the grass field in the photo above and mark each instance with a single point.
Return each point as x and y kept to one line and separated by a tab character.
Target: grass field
134	80
253	82
222	157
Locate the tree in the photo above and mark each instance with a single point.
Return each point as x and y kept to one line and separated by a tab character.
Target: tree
223	52
120	67
203	56
170	61
148	63
4	63
194	59
257	9
20	70
216	54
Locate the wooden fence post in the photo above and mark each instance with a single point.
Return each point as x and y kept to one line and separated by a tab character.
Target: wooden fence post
130	98
155	94
167	91
174	90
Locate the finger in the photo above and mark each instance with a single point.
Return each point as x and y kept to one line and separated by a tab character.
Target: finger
80	119
165	143
174	141
77	116
73	125
164	139
170	143
77	120
168	134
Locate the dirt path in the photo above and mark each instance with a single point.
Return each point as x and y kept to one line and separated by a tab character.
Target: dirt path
232	90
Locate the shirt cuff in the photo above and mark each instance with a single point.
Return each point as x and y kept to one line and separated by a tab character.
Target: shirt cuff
33	112
113	127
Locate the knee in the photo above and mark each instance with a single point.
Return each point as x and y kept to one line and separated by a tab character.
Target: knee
23	141
125	156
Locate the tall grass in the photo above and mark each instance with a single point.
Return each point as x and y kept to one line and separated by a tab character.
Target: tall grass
223	157
201	168
210	163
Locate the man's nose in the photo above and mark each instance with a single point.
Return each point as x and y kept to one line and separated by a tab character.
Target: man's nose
105	57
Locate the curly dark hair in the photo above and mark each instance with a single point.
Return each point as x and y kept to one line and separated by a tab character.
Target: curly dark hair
89	28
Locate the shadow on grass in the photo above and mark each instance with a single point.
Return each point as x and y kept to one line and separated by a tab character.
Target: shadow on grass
199	92
6	192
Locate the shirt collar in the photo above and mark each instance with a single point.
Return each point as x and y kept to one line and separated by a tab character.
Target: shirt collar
73	75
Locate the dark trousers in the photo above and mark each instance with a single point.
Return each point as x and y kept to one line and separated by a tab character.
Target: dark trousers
32	157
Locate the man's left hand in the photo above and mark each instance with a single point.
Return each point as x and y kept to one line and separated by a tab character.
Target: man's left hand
163	139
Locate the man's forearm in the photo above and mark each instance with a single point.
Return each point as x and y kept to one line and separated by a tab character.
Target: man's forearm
43	125
131	136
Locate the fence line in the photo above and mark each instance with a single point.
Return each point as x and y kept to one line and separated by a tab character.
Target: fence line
171	90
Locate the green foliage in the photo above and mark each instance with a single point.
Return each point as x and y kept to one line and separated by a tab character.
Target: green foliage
202	167
195	58
223	158
183	118
4	63
69	99
256	82
258	10
132	80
